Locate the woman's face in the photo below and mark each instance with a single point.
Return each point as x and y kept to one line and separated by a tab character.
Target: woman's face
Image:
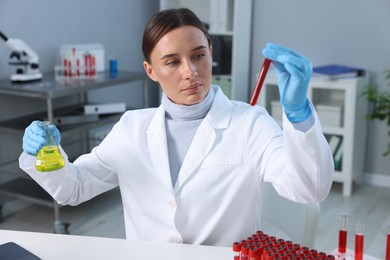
181	62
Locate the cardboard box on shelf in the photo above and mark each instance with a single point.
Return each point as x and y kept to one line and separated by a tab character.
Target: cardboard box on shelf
330	114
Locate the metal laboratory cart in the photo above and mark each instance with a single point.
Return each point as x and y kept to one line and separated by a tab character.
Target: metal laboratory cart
49	89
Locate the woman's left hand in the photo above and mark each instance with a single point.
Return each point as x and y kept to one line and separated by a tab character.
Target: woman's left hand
294	73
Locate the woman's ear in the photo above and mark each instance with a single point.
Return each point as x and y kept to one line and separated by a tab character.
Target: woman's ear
149	71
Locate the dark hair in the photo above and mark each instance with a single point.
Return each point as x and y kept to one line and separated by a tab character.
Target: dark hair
165	21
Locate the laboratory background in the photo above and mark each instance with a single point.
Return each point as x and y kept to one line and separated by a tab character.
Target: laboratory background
353	33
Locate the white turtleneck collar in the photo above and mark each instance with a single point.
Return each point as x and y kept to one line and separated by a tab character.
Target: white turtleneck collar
185	113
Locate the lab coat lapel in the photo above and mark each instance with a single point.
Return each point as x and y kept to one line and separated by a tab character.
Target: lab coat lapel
157	144
218	118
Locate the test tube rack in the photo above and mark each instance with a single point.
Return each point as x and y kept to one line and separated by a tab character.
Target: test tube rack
76	64
261	246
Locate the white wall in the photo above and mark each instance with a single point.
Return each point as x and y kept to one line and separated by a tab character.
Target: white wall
350	32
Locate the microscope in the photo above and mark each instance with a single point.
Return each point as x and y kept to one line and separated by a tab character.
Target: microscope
24	58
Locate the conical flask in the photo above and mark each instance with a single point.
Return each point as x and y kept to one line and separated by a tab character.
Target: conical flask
49	158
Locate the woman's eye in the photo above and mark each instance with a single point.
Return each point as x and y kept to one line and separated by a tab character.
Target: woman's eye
199	56
172	63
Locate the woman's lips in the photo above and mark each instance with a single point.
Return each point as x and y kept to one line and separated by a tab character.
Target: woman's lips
193	87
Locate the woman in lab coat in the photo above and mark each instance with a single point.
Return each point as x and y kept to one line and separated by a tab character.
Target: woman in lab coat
190	171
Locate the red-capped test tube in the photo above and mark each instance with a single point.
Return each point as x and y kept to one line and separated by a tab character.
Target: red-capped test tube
237	250
388	243
342	248
253	255
244	252
359	240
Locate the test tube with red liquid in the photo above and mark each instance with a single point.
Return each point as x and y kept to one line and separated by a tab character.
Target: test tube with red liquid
359	240
342	249
260	81
244	252
388	243
253	255
237	250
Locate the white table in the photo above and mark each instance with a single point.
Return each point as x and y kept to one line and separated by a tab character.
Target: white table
56	246
349	255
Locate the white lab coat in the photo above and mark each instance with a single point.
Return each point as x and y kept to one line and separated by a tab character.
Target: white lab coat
217	196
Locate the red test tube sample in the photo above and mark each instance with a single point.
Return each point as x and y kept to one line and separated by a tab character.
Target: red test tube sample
93	65
342	248
65	67
73	73
253	255
69	68
237	250
388	243
260	81
359	240
244	252
87	63
259	233
78	67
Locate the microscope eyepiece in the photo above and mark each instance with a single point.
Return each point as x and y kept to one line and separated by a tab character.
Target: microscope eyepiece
5	38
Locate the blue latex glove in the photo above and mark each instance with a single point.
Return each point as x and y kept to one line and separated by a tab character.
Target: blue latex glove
34	137
294	73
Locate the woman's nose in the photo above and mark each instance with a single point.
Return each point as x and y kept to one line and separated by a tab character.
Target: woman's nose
189	70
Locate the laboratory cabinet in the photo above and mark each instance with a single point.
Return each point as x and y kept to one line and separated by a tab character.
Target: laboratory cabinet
229	23
341	111
48	90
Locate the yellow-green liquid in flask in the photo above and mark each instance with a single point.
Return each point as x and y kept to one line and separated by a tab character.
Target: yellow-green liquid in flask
49	159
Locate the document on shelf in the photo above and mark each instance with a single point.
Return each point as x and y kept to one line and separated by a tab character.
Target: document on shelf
334	72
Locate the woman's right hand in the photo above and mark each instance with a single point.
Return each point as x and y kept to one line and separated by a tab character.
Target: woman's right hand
34	137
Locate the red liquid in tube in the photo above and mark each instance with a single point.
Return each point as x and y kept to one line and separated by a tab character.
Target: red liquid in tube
359	240
260	81
342	241
388	246
359	244
342	246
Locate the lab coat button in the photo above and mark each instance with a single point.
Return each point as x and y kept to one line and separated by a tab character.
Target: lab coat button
171	204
